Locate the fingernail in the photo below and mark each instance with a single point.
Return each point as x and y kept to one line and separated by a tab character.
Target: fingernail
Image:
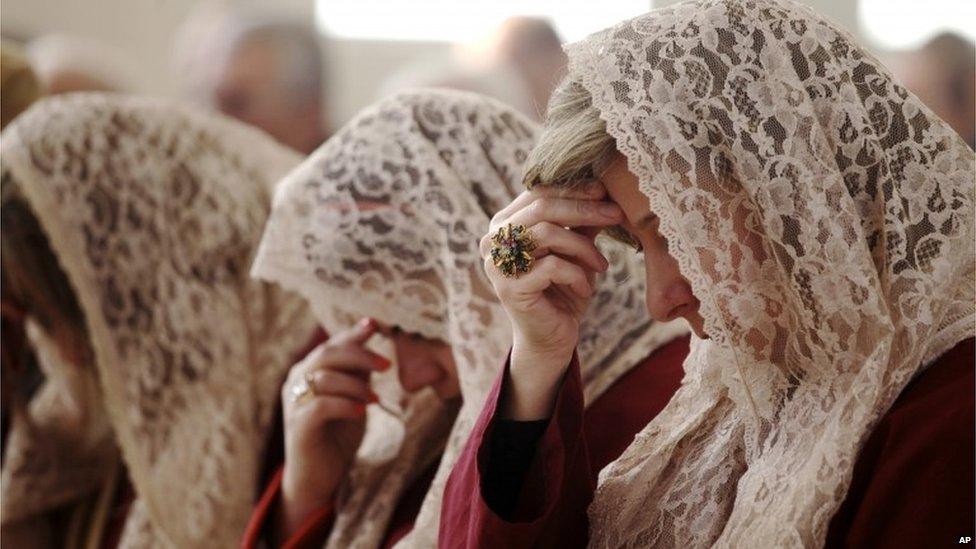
373	397
360	409
383	363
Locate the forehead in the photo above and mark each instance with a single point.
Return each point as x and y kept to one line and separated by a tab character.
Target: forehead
623	189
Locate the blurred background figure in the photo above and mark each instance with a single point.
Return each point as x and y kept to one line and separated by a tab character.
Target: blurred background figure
67	63
533	48
369	48
19	86
456	72
265	71
519	63
942	73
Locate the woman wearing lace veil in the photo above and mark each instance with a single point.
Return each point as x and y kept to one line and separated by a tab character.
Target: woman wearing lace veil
383	222
813	222
128	227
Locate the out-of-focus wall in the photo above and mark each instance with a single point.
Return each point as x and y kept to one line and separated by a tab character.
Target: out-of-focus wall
142	29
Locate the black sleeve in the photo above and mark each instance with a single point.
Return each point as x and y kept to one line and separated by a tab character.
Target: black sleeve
511	449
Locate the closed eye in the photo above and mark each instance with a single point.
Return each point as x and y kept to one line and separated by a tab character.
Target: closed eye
624	236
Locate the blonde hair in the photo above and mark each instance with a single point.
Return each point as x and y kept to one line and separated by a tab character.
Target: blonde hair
574	146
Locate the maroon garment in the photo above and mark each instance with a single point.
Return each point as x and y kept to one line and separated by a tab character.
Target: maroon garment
912	486
407	509
576	445
913	481
315	530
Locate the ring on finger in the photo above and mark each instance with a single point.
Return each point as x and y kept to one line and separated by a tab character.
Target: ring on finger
302	390
511	250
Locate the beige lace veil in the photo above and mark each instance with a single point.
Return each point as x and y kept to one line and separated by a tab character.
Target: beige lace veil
154	212
384	220
824	217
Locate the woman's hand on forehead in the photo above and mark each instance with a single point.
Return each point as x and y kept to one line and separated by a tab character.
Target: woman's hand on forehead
546	296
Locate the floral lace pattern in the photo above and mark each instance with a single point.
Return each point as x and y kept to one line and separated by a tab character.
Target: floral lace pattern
155	212
823	216
384	220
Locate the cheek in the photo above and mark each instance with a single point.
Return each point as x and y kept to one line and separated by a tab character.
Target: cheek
71	349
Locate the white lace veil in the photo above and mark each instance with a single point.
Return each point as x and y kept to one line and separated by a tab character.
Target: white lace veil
154	213
384	220
824	217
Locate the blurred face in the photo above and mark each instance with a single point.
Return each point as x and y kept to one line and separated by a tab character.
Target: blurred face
423	362
72	350
931	80
668	293
72	345
247	89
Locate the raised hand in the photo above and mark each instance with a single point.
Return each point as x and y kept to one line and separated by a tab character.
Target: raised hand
546	303
324	401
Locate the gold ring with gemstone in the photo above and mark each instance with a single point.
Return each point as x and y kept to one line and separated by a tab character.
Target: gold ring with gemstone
511	248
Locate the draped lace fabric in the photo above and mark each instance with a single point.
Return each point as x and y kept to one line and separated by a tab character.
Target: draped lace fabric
384	220
823	216
155	213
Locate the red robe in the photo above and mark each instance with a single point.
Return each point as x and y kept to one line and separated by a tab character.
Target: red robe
912	484
610	424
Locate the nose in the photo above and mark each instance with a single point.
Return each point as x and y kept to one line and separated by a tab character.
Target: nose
416	374
669	297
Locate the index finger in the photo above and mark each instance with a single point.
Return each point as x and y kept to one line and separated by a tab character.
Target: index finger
584	190
355	360
590	190
568	212
358	334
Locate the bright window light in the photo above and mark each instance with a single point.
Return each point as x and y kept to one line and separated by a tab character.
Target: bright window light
905	24
464	20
